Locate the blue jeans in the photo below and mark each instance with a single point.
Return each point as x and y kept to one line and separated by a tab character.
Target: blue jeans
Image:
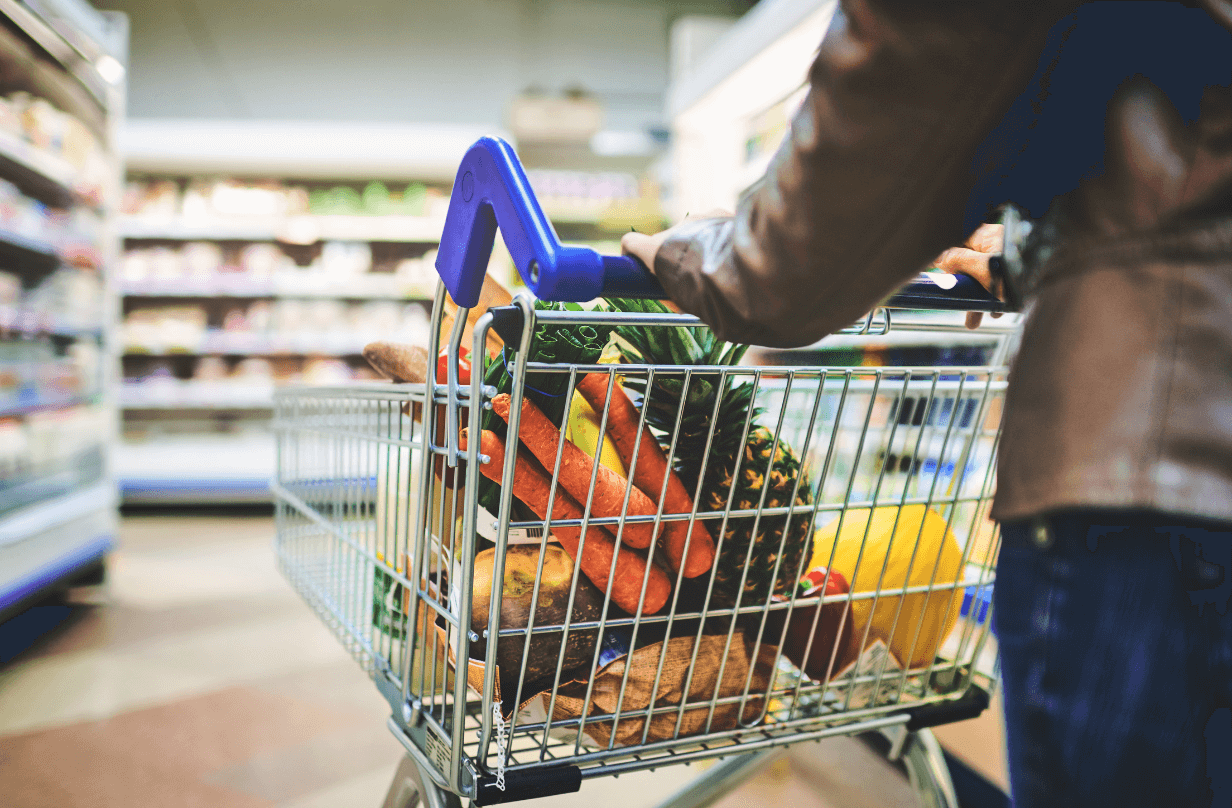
1116	660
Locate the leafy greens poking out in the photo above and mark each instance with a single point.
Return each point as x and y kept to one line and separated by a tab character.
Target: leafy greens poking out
554	343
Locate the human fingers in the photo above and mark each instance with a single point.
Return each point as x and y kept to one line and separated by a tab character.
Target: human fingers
643	247
968	262
987	238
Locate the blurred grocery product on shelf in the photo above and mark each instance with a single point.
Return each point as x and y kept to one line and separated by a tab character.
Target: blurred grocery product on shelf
201	202
228	383
39	137
64	303
38	375
74	233
339	268
286	326
51	452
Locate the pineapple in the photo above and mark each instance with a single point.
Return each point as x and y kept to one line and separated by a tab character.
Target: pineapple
739	469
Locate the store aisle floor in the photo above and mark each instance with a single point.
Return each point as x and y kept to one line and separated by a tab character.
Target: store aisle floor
196	677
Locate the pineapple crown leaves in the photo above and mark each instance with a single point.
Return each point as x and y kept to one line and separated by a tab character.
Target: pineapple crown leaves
684	346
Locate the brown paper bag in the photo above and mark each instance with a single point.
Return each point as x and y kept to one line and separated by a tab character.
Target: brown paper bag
643	664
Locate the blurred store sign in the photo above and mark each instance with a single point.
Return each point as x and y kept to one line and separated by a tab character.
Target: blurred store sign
574	118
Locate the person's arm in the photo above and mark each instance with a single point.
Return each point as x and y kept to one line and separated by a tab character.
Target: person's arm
872	179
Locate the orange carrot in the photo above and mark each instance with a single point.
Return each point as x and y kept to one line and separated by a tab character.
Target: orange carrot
532	485
648	474
542	438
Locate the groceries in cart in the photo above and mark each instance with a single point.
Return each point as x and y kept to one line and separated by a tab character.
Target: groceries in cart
656	484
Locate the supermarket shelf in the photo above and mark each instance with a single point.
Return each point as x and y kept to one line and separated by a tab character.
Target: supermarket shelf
187	490
216	288
202	407
59	504
192	396
243	350
292	230
27	254
44	176
197	469
25	321
235	343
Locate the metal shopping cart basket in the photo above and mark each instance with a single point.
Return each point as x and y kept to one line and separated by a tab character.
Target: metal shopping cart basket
515	667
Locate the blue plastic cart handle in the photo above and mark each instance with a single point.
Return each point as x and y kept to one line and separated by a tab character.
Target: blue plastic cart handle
491	191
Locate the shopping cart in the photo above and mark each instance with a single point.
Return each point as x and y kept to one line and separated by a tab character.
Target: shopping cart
383	519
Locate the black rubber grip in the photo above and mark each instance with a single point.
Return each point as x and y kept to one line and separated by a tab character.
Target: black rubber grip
974	702
529	784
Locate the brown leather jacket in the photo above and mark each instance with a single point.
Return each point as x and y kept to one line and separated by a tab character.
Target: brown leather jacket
1121	395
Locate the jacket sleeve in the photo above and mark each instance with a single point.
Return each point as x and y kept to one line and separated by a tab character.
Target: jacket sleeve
872	179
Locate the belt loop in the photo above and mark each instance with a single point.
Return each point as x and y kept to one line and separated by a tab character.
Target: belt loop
1041	534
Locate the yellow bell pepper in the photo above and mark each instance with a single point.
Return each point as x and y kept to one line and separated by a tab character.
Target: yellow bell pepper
582	428
932	612
582	425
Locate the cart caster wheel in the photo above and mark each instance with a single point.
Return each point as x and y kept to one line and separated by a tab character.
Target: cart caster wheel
924	763
411	789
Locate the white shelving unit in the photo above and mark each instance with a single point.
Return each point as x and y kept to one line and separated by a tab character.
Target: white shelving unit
193	440
57	415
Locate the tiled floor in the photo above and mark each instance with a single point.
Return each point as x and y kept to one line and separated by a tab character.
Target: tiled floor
196	677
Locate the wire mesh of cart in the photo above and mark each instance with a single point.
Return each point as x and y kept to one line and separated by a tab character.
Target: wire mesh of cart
614	548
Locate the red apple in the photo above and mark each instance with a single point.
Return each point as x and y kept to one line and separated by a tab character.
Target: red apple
834	624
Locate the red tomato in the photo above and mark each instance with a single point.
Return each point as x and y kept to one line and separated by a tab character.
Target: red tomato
833	627
464	366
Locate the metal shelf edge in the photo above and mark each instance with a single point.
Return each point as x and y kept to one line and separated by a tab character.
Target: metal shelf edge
150	491
45	173
66	53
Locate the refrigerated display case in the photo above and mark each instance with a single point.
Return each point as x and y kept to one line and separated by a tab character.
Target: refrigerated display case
61	95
